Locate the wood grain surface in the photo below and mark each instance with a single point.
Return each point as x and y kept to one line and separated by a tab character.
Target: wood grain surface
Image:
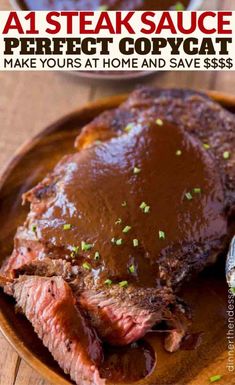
30	101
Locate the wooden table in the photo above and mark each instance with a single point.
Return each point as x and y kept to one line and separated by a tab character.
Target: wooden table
30	101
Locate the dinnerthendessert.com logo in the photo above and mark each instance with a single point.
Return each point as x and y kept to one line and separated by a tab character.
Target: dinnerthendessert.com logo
231	330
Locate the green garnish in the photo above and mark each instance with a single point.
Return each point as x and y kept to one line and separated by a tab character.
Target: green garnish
123	283
86	246
189	196
197	190
232	289
132	269
136	170
108	282
215	378
98	142
135	242
124	204
226	155
147	209
117	242
179	6
126	229
74	251
118	221
206	146
128	128
34	228
67	226
178	153
86	266
97	256
103	8
161	234
159	122
144	207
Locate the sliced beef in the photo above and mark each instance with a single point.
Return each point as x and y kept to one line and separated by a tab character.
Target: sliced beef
48	267
119	316
50	306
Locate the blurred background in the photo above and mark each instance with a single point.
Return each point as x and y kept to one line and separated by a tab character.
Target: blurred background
29	101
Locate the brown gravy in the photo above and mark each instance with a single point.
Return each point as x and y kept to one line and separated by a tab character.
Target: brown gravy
173	223
191	341
120	364
102	4
207	296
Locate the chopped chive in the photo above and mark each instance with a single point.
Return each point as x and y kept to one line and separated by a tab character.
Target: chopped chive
97	256
118	221
128	128
136	170
117	242
86	266
159	122
132	269
197	190
108	282
34	228
86	246
135	242
179	6
147	209
206	146
103	8
232	289
124	204
215	378
67	226
126	229
189	196
75	250
143	205
161	234
226	155
123	283
178	153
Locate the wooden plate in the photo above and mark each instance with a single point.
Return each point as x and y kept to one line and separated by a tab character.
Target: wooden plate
208	294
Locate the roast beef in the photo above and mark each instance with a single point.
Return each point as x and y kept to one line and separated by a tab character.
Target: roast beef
124	222
119	316
50	306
